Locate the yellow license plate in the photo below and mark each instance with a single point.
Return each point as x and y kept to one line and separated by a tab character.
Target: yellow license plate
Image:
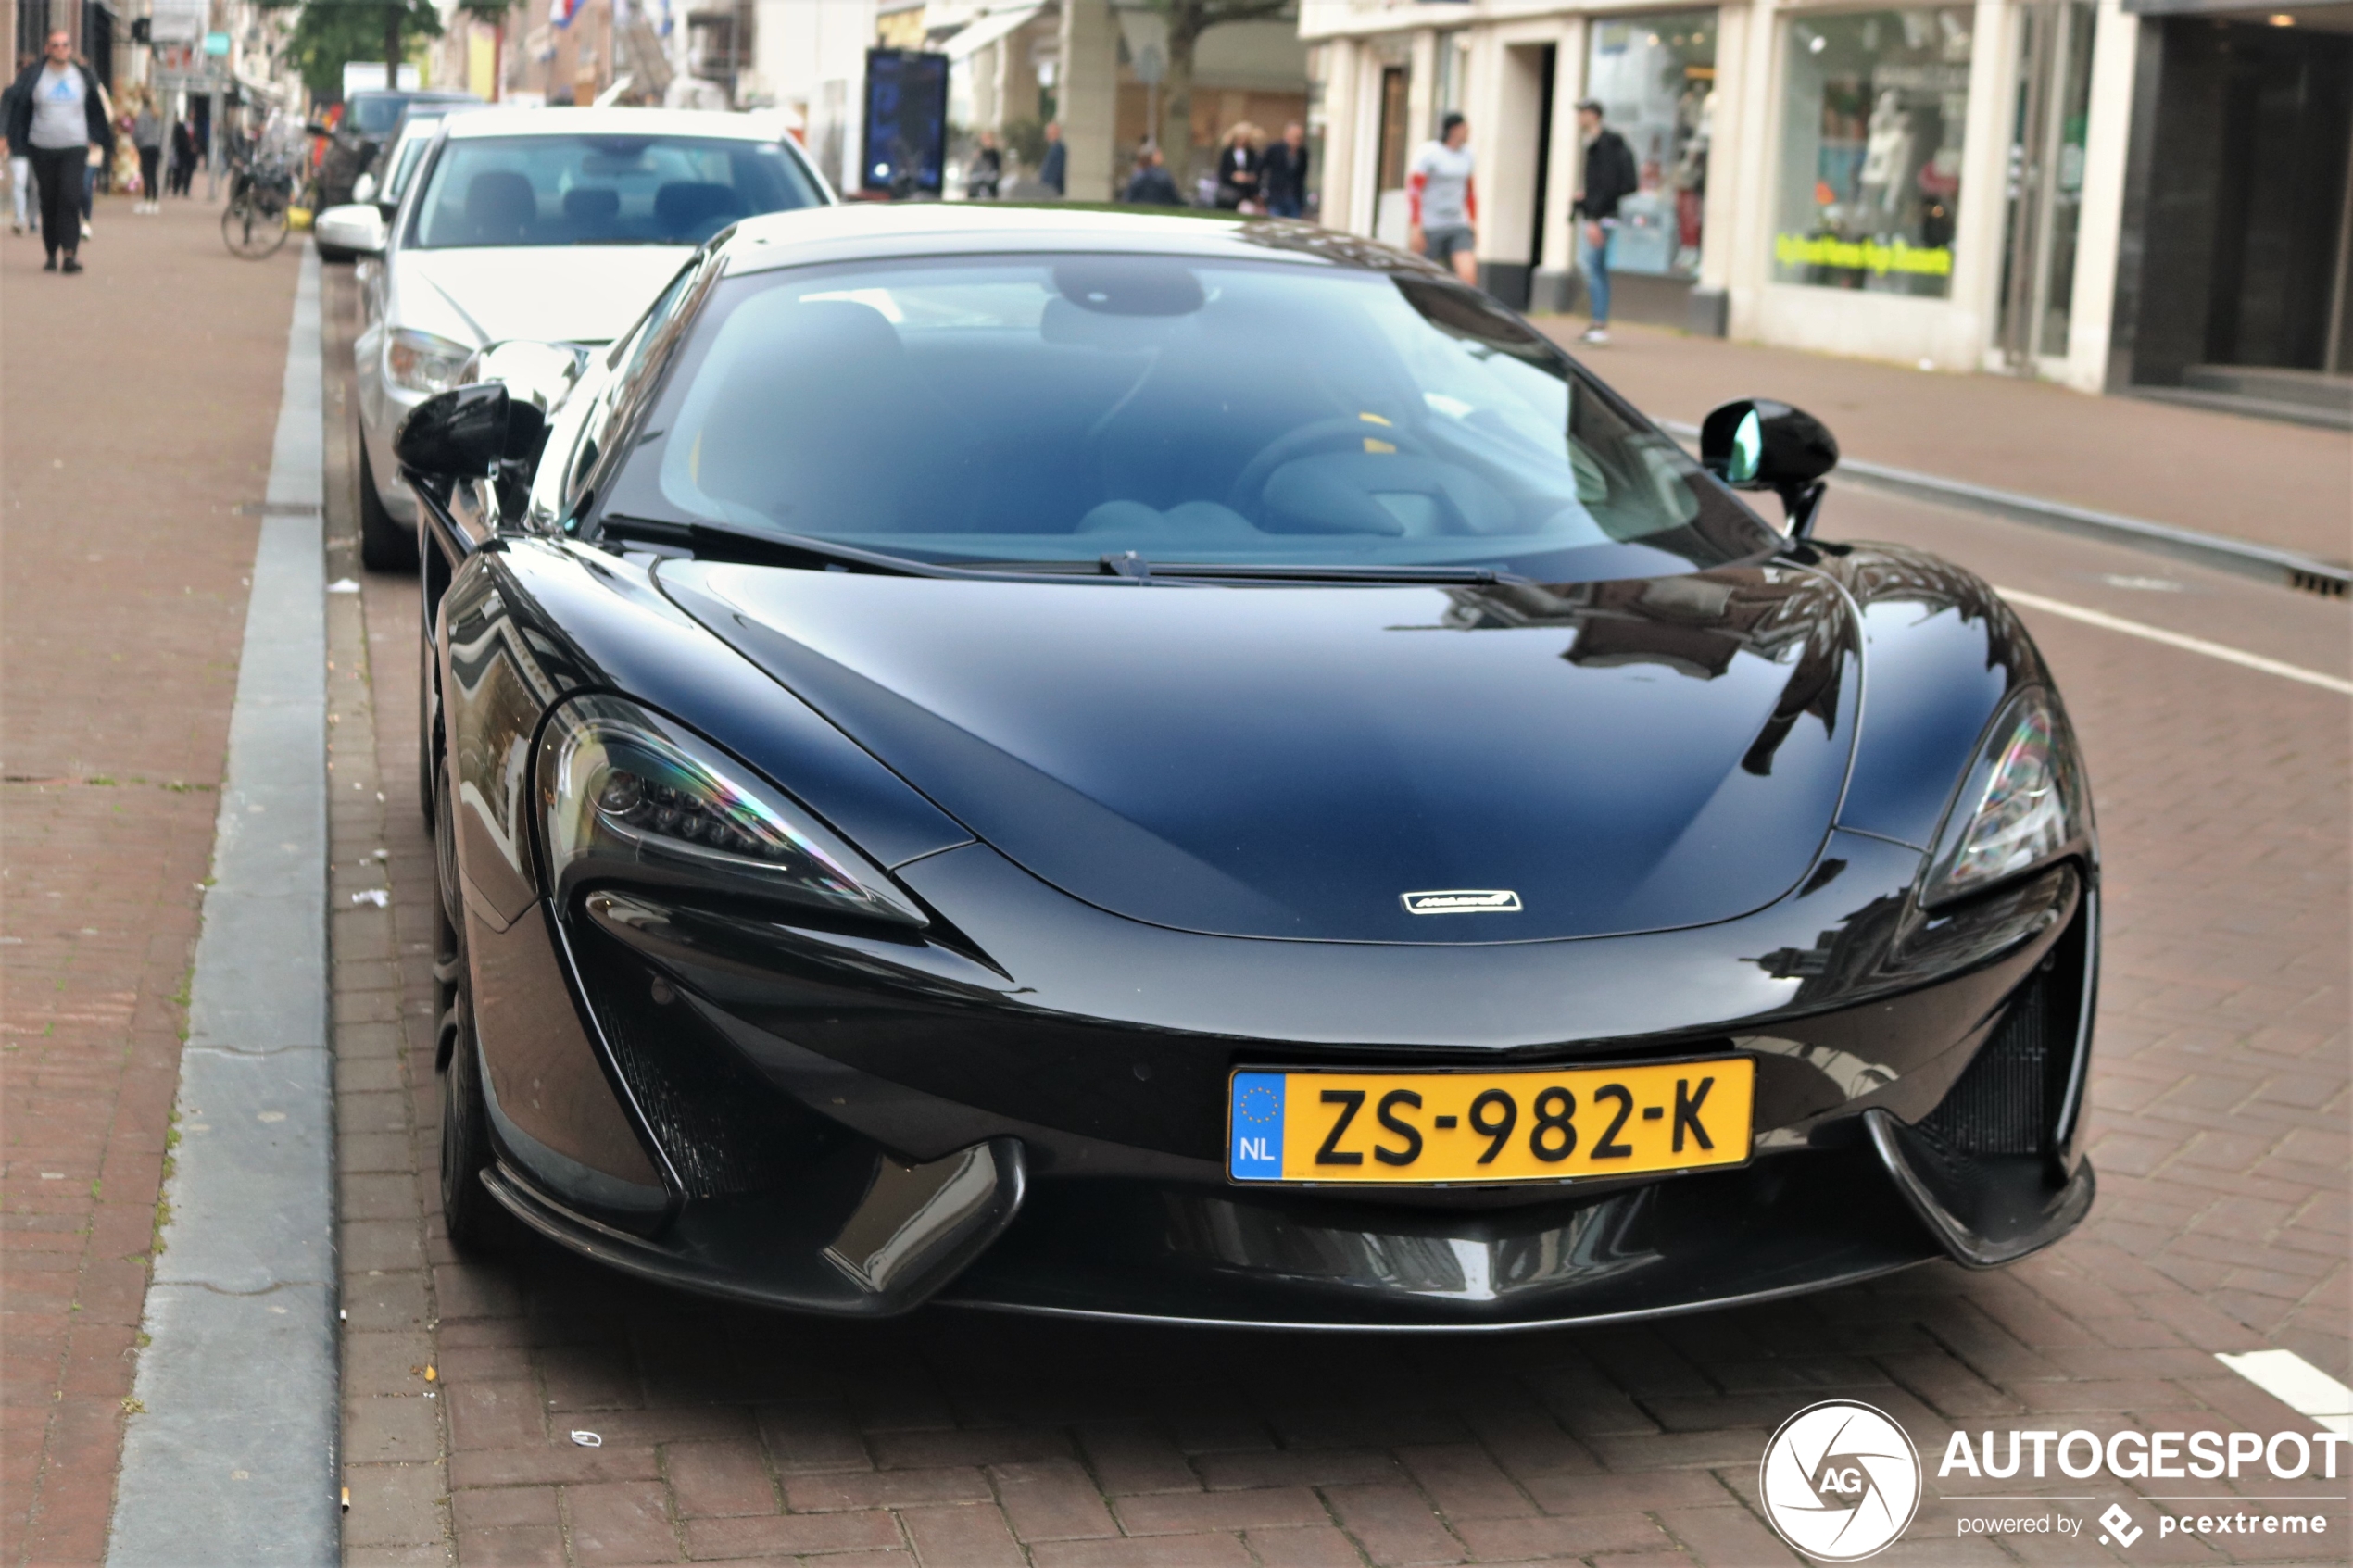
1550	1125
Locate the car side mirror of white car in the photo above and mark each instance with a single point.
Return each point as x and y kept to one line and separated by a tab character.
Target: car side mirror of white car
358	227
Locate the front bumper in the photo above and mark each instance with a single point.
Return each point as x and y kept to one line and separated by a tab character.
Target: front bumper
382	407
799	1094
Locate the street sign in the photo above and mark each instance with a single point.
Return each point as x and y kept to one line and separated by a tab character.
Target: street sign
216	43
178	21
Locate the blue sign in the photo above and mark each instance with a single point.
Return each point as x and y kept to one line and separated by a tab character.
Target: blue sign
1257	1152
216	43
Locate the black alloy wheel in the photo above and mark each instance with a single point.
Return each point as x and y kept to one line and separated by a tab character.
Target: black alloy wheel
384	544
476	1223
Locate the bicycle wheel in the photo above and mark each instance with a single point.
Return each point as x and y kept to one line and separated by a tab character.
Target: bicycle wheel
254	228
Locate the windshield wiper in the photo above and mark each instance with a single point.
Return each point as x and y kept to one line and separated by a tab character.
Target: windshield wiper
1255	571
711	542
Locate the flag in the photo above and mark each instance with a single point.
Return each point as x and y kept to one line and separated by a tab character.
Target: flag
561	12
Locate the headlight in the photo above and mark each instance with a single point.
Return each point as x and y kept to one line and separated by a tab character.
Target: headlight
421	362
628	793
2023	805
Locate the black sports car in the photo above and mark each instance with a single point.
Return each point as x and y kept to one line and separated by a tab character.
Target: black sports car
1172	768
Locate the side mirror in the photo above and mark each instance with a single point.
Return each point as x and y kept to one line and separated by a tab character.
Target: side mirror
466	432
358	227
364	188
1755	444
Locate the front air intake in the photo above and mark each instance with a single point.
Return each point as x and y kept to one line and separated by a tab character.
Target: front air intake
2002	1103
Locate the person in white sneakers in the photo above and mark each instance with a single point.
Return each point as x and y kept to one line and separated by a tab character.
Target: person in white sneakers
20	157
1610	178
1442	202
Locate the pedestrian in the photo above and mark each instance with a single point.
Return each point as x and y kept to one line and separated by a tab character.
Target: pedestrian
1610	178
987	171
183	156
1282	173
1151	184
19	155
60	116
1054	170
146	134
1237	169
96	160
1442	200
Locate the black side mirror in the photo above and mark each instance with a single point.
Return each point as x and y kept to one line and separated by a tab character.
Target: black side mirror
1755	444
464	433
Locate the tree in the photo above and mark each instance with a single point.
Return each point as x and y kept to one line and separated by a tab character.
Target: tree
328	34
1188	19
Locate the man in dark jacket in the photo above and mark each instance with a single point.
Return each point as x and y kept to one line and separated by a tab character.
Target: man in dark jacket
1282	174
1054	170
1150	185
57	116
1610	178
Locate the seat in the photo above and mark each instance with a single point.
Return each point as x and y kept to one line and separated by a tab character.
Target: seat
592	212
696	209
501	208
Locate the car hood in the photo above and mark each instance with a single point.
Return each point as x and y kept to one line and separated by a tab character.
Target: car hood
1290	761
547	294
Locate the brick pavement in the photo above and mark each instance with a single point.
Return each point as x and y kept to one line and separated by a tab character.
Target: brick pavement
137	404
962	1440
2283	484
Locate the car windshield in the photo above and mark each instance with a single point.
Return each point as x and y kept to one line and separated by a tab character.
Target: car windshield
601	190
1059	409
374	114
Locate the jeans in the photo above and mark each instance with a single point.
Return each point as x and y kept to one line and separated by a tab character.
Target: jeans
149	158
1283	207
21	188
1592	261
58	170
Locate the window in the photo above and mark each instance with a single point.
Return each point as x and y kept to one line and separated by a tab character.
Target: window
1874	109
600	190
1655	77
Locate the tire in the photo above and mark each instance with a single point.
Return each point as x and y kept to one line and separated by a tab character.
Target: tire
477	1226
385	545
253	229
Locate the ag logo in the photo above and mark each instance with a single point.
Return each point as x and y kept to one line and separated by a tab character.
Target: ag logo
1840	1481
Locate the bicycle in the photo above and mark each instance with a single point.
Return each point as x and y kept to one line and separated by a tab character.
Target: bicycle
254	221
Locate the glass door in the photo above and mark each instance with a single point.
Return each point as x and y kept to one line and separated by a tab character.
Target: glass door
2051	113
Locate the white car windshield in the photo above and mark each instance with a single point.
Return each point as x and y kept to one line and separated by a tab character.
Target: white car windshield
592	188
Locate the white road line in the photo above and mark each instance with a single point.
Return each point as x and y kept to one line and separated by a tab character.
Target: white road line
2297	1384
2175	639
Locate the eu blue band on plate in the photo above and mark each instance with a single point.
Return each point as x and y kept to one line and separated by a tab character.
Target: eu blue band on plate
1257	1149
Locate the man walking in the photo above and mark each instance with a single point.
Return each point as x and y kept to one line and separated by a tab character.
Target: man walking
1282	175
1054	170
1609	178
1150	185
183	156
146	134
1443	203
60	117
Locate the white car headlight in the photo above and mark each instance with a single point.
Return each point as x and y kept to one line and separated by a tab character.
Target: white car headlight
2023	805
421	362
631	797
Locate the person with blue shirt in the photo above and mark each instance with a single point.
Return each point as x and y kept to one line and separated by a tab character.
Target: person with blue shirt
59	114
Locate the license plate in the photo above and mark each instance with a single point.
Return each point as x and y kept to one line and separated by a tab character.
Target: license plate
1549	1125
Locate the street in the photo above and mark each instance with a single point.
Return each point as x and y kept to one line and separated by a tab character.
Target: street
540	1409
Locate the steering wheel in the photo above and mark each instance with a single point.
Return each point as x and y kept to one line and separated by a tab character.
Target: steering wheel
1335	434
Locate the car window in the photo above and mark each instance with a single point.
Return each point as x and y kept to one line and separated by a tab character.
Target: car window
374	114
1044	409
406	154
601	190
635	360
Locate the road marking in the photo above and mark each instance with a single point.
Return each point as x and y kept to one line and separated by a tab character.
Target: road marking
2297	1384
2175	639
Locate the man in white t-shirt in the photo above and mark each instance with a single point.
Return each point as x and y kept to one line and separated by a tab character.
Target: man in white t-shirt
1444	201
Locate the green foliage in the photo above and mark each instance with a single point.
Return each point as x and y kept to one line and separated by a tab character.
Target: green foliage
330	34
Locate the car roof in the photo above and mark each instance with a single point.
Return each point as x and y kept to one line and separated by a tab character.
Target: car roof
871	231
496	122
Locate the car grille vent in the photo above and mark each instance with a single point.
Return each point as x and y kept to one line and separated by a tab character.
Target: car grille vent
1999	1105
724	1127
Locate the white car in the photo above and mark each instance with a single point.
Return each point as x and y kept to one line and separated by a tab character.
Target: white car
552	225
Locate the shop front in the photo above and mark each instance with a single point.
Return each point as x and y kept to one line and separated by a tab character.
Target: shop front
1929	183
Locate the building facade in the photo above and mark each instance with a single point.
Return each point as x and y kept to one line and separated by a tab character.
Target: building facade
1991	184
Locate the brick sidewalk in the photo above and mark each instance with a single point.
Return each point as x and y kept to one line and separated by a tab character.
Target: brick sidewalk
2281	484
966	1440
137	404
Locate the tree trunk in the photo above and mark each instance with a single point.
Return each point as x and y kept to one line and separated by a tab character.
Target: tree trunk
393	17
1177	93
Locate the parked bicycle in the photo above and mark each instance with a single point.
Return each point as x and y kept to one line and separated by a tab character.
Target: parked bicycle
254	222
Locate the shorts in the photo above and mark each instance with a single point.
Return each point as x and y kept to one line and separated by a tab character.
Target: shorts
1439	244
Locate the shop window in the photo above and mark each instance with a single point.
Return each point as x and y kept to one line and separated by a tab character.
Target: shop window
1875	106
1655	79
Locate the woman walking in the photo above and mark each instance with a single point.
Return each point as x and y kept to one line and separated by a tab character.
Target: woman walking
60	115
146	134
1238	169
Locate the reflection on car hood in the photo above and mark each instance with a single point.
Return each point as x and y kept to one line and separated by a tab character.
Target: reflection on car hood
1290	761
552	293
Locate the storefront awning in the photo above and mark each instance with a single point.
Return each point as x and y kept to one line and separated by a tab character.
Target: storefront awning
988	30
